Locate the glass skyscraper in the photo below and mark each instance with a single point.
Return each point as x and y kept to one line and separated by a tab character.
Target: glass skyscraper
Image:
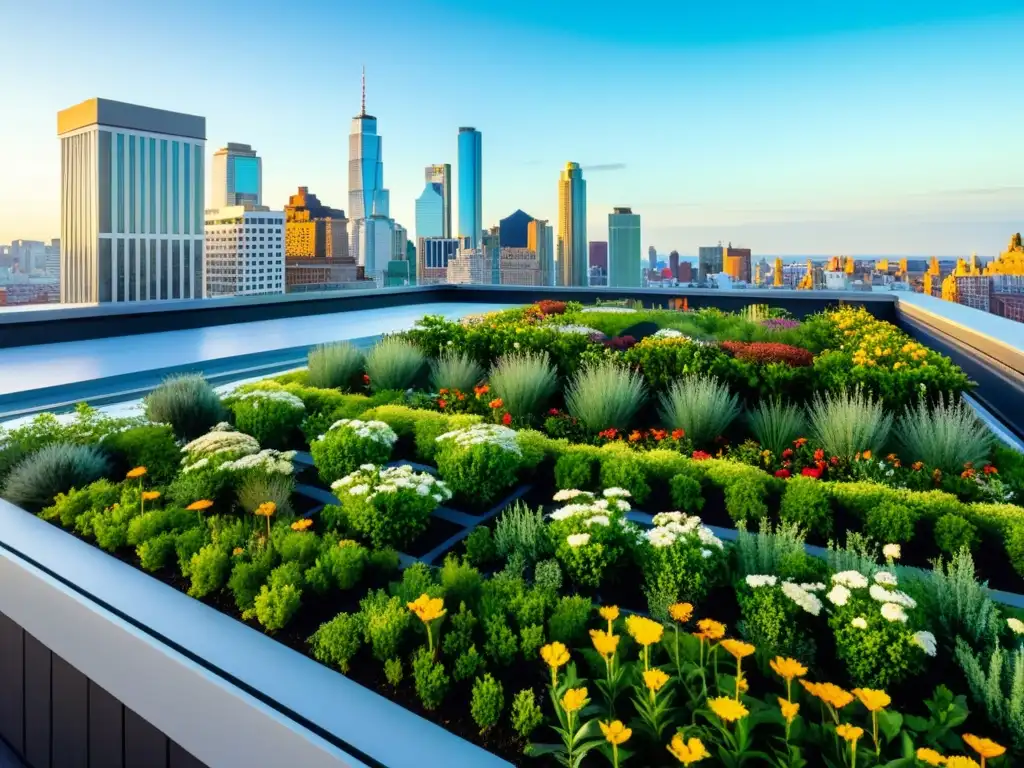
470	185
624	249
132	203
442	174
572	227
237	176
367	198
430	212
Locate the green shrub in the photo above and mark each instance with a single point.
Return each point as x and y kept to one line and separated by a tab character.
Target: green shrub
209	570
273	417
679	565
524	382
953	533
154	522
537	447
746	488
480	463
248	576
394	364
846	423
188	545
958	603
568	622
1015	547
501	645
155	553
382	564
275	605
459	636
531	638
110	525
526	714
299	547
455	371
605	395
389	507
547	576
891	523
206	483
151	446
701	406
480	548
460	581
334	366
349	444
522	529
486	703
57	468
77	503
775	624
257	488
467	664
946	436
806	502
577	468
338	641
186	402
337	567
418	579
431	679
686	494
401	418
393	672
430	426
623	468
996	682
776	424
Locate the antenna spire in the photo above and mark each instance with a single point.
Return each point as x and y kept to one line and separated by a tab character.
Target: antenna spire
363	112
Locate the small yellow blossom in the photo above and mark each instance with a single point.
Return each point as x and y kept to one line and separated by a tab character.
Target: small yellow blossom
655	680
930	756
427	608
737	648
709	629
873	701
687	752
615	732
849	732
727	710
789	709
645	631
680	612
986	748
555	655
604	643
609	612
302	525
266	509
787	669
574	700
150	495
958	761
199	506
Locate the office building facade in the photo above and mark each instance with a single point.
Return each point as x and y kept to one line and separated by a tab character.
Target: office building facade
514	229
572	227
367	197
441	175
652	257
709	261
314	230
237	176
430	221
244	251
433	255
736	262
624	266
540	238
599	255
471	220
132	203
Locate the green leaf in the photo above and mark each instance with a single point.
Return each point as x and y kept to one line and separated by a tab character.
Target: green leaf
890	723
915	723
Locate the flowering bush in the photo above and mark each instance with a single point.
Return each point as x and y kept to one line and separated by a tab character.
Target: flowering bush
874	628
350	443
389	507
593	539
680	558
766	352
479	462
550	307
777	615
222	441
272	416
779	324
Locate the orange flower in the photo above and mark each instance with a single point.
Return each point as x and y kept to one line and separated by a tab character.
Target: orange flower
678	434
199	506
709	629
787	669
789	709
496	403
737	648
150	495
986	748
800	442
680	612
873	701
635	436
266	509
302	525
137	472
866	455
237	551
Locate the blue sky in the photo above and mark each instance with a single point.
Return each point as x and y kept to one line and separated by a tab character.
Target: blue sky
793	127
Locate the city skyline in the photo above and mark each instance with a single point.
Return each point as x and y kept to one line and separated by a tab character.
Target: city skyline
814	160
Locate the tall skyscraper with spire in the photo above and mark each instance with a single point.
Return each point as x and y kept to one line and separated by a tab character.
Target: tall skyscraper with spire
368	200
572	227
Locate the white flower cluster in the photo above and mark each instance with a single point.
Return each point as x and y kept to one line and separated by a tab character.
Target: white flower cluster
755	581
1016	626
484	434
668	333
803	597
670	527
377	431
850	579
894	602
926	640
586	505
221	439
275	395
370	481
612	310
891	551
268	460
578	539
581	329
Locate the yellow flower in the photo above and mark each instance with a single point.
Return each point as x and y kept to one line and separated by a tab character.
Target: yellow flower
737	648
137	472
787	669
615	732
574	700
727	709
348	543
609	612
604	643
709	629
930	756
237	551
687	752
199	506
301	525
645	631
427	608
150	495
742	685
680	612
849	732
266	509
873	701
555	655
789	709
655	679
956	761
985	748
831	694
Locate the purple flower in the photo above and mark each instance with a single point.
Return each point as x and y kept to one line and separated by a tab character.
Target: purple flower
780	324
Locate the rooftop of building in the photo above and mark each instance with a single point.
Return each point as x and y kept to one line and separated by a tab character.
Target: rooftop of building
131	117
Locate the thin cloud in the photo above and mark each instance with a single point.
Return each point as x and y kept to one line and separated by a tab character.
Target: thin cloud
603	167
972	192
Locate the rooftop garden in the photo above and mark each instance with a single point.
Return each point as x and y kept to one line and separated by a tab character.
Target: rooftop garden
584	536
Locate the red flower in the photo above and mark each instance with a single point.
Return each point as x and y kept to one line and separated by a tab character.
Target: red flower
496	403
506	419
800	442
990	470
658	434
609	434
768	352
917	466
460	396
553	412
481	390
442	404
783	473
678	434
636	436
366	379
442	391
834	461
819	455
787	453
811	472
700	456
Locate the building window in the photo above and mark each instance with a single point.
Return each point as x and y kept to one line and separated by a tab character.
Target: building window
187	156
131	183
120	183
164	187
175	206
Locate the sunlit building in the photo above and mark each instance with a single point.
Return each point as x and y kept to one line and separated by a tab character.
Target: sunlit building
237	176
244	251
572	253
367	197
540	238
470	185
314	230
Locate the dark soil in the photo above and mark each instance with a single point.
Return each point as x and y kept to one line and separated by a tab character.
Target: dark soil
438	531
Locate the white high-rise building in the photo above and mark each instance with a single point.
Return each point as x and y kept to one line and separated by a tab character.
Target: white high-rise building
132	203
237	176
367	198
399	240
244	251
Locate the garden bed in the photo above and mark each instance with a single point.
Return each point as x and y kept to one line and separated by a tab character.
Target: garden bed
446	532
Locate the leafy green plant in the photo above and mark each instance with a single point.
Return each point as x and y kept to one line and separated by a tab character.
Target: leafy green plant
248	576
431	679
954	532
524	382
960	605
256	488
455	371
337	567
521	529
526	714
623	468
81	504
272	416
891	522
187	402
776	424
276	604
806	502
386	621
848	422
209	570
480	463
393	671
701	406
467	664
775	624
338	641
997	686
487	702
501	645
151	446
947	435
605	395
37	479
577	468
547	576
349	444
460	581
394	364
480	548
686	493
334	366
568	622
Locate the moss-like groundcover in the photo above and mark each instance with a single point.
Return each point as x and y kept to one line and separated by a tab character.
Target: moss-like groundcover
604	616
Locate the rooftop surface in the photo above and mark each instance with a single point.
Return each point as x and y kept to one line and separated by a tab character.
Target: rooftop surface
133	117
